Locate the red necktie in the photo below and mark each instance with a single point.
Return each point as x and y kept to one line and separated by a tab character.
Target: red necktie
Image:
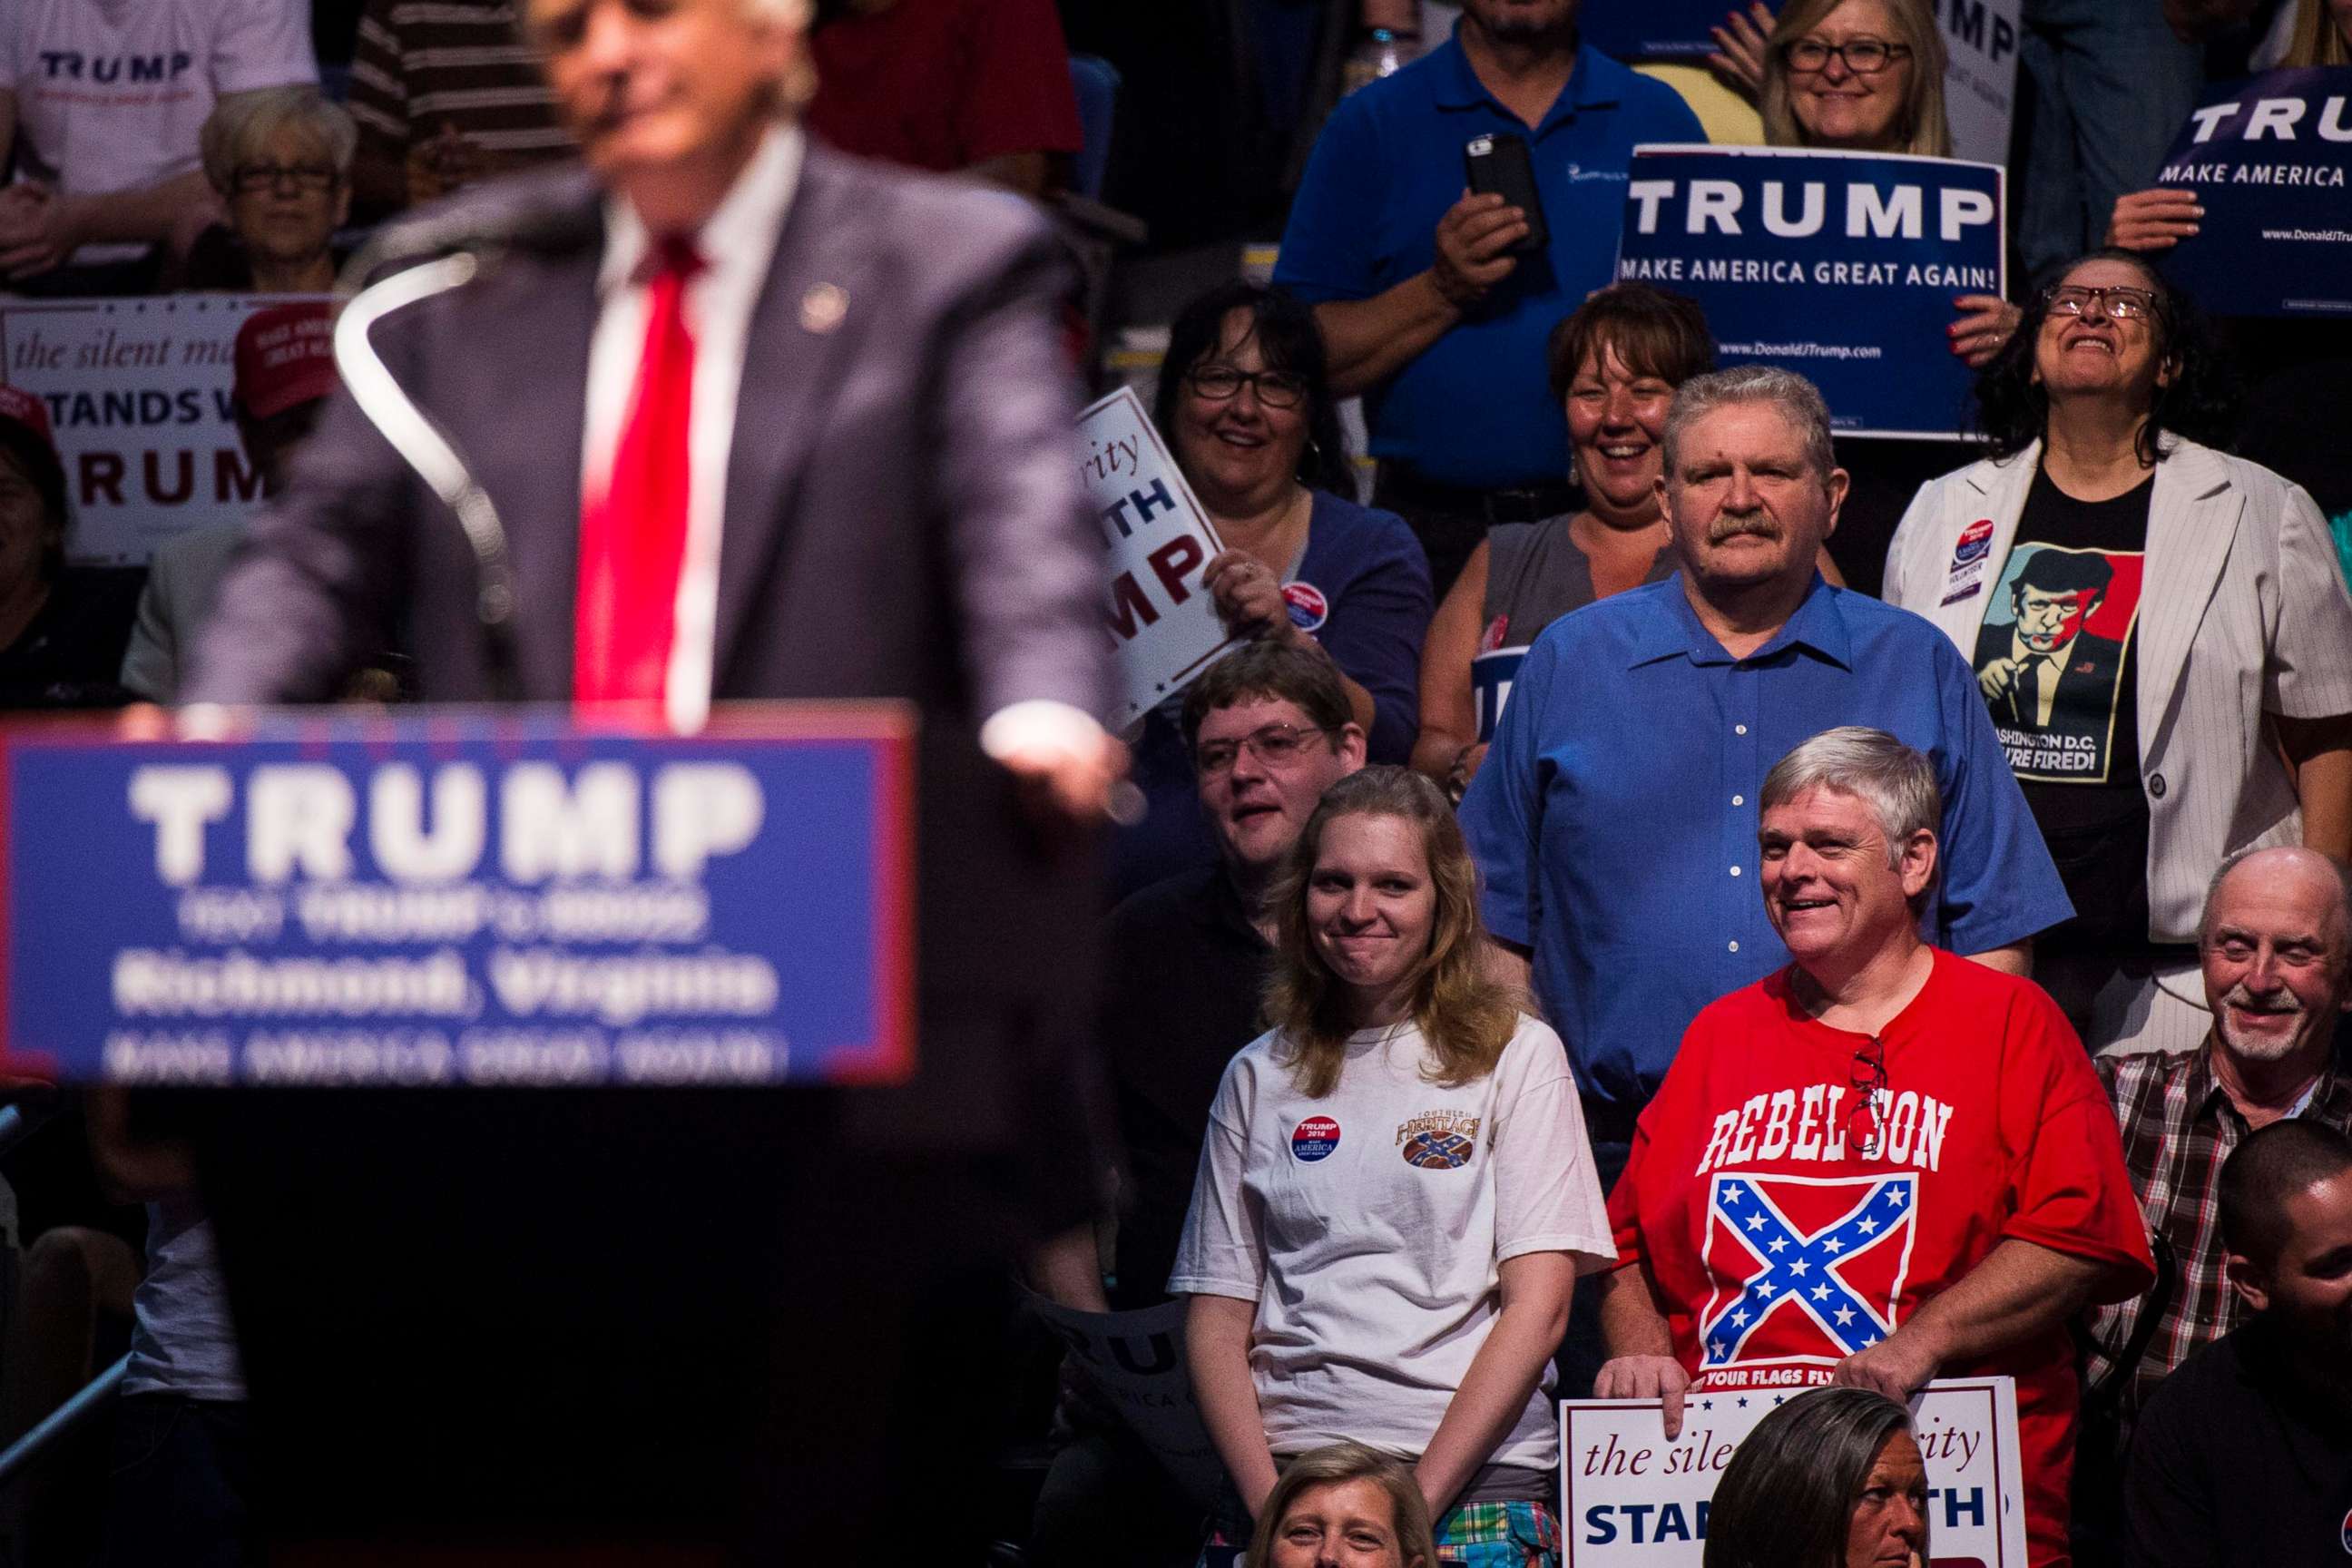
633	540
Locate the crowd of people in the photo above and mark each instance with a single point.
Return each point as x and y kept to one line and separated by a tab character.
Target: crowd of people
1657	900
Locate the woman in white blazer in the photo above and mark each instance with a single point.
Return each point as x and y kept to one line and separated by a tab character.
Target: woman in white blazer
2161	630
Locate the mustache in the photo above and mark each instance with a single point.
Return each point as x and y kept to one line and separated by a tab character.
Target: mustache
2285	1001
1723	528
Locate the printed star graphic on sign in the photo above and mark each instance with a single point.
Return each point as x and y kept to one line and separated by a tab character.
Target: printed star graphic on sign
1743	1403
1833	1244
1821	1292
1739	1318
1755	1222
1895	1197
1845	1316
1870	1341
1799	1268
1714	1347
1763	1288
1780	1244
1868	1228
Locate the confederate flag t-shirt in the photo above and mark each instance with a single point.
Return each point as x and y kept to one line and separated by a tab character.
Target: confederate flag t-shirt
1790	1219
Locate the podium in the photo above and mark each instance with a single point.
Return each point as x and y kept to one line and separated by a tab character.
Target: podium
556	1093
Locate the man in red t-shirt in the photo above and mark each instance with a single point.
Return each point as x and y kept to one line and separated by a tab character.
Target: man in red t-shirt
1883	1163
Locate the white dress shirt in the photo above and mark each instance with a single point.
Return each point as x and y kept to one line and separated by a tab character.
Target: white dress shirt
736	245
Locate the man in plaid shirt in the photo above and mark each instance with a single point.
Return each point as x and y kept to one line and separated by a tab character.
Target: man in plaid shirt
2276	944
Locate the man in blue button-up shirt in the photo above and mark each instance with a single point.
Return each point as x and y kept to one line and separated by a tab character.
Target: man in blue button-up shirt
1426	307
1615	819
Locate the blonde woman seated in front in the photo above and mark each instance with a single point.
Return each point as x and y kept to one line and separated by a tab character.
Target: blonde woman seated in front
1396	1194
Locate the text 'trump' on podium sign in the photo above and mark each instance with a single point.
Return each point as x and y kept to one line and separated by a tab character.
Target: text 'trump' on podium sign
457	897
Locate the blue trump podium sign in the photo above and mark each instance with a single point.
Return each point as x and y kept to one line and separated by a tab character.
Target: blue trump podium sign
2269	158
1842	266
459	897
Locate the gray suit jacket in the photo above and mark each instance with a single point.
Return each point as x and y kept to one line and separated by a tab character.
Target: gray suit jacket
903	520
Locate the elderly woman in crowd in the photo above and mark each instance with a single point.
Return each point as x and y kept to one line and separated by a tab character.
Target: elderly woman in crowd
1831	1480
281	161
1343	1503
1615	364
1246	404
1396	1193
2160	630
1867	75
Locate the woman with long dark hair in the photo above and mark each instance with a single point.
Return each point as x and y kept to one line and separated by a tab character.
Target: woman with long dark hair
1244	401
2161	631
1831	1479
1396	1194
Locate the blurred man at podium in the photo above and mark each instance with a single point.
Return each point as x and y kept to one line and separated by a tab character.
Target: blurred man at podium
759	421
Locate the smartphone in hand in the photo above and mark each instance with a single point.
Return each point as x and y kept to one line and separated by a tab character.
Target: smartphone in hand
1499	164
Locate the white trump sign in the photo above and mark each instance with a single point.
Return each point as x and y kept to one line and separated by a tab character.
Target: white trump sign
1631	1499
1161	618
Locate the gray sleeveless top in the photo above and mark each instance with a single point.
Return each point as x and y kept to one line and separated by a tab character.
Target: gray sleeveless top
1535	574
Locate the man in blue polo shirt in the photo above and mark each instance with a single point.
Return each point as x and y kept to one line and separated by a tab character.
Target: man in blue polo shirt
1615	819
1424	306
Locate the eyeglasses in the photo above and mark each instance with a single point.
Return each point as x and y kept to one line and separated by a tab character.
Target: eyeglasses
2123	303
1275	388
1273	744
1862	57
251	179
1867	1079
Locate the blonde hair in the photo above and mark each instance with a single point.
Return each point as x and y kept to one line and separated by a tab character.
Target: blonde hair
1335	1464
239	130
1921	125
1467	1017
2317	40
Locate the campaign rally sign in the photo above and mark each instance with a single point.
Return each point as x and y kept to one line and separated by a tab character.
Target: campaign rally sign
138	392
2270	160
1630	1498
1980	38
1162	621
1134	1362
1840	266
453	897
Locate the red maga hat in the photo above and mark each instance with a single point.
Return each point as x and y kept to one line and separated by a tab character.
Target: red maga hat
285	355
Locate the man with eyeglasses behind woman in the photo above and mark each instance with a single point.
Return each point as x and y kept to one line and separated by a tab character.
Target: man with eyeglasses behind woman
1880	1165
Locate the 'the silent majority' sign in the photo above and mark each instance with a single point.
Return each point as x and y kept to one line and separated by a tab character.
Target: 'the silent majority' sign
1630	1498
451	897
2268	160
1162	621
1843	267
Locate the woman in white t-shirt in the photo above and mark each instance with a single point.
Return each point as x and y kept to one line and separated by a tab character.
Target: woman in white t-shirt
1396	1194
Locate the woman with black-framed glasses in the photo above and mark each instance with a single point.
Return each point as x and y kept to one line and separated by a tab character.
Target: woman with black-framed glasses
1246	404
281	162
2161	632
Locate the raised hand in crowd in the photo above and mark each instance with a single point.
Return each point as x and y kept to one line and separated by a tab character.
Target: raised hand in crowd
1473	240
1741	45
2154	219
1985	323
1249	599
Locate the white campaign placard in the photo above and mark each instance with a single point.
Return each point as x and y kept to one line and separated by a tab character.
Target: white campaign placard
1980	42
1136	1362
138	392
1630	1498
1161	618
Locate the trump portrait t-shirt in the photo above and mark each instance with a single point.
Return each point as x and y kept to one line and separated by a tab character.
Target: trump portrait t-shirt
2057	660
1791	1219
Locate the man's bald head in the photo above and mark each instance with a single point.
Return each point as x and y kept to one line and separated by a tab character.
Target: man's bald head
2276	949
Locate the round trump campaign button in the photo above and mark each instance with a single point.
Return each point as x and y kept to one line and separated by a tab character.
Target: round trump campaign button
1314	1138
